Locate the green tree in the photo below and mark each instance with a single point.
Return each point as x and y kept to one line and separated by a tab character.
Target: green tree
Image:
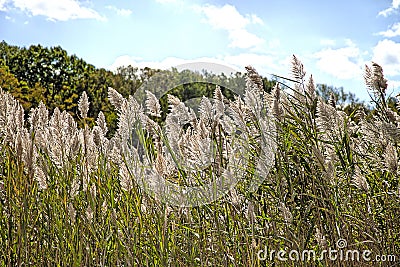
28	96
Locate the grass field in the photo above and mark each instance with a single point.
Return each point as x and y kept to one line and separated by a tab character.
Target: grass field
70	196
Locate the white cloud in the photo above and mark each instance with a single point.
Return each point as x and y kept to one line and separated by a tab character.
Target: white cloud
243	39
387	54
274	43
229	19
167	1
390	10
392	32
3	5
126	60
256	20
56	10
342	63
226	17
327	42
120	11
164	64
264	64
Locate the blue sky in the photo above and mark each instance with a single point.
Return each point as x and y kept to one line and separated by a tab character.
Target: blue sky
334	39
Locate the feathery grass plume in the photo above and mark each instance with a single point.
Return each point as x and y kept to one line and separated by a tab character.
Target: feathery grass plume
392	116
70	134
311	173
39	126
55	144
276	92
199	151
391	160
11	117
372	140
160	164
153	105
205	110
98	136
253	100
59	140
218	94
29	151
173	101
131	116
40	177
389	130
38	118
228	125
125	178
101	122
154	129
360	115
115	155
329	121
90	153
284	102
75	145
201	129
253	79
360	181
178	116
83	105
179	112
375	80
298	70
299	98
238	111
116	99
182	145
18	146
219	106
277	109
310	90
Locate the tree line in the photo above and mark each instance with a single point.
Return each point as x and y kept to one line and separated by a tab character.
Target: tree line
51	75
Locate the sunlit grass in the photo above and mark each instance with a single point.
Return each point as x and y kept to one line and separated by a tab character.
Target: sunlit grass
310	199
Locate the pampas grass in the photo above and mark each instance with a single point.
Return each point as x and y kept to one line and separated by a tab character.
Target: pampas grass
70	196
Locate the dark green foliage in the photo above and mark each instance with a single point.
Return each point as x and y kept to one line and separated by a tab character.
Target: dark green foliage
50	75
